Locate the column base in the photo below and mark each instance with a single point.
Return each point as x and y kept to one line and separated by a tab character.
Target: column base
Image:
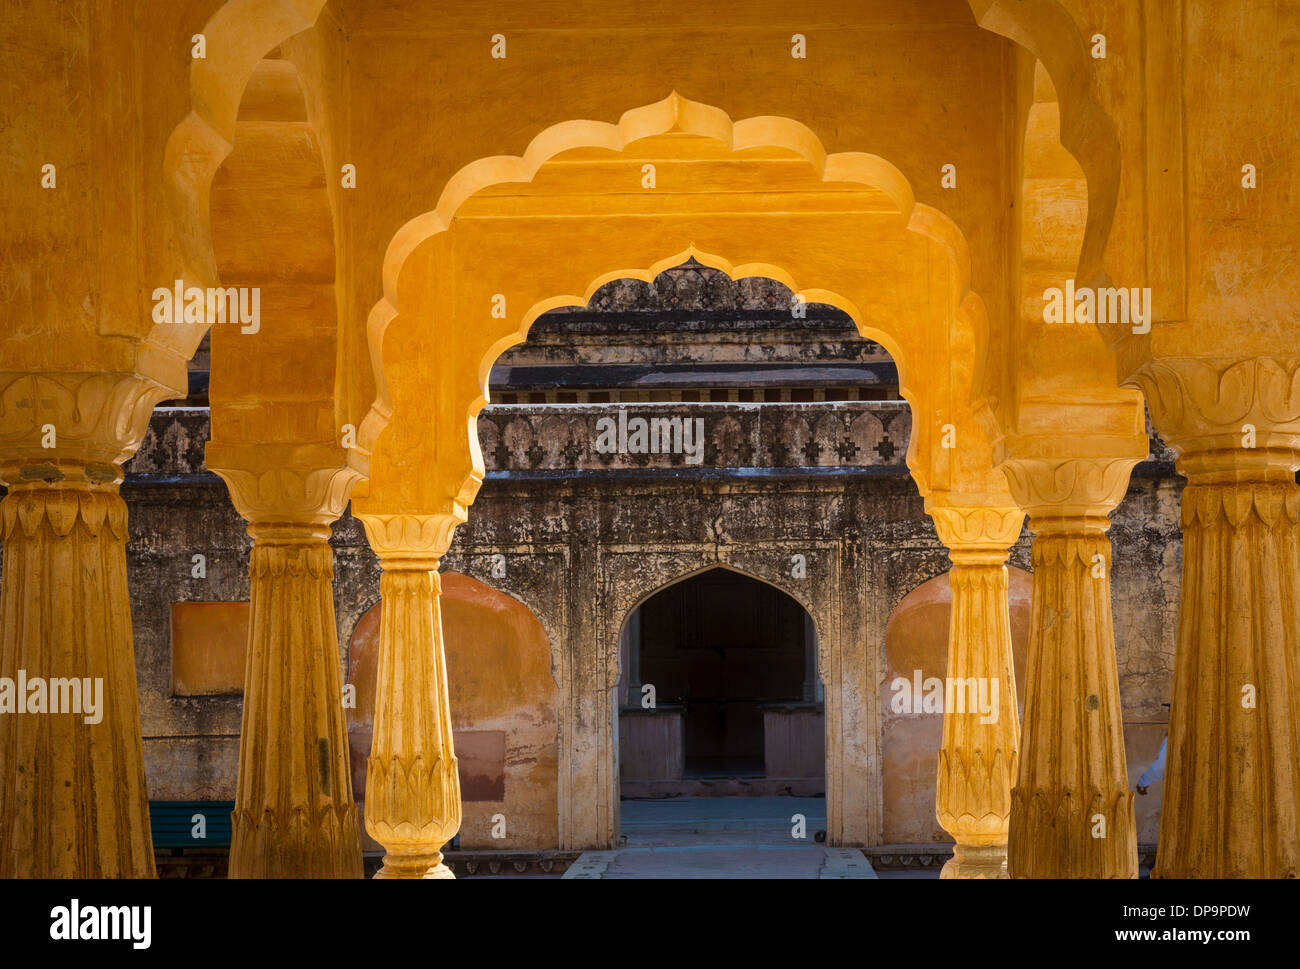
414	866
976	861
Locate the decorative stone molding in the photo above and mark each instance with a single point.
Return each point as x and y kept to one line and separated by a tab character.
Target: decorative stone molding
976	527
305	493
690	286
173	443
511	862
176	436
410	538
907	857
1068	487
850	434
36	507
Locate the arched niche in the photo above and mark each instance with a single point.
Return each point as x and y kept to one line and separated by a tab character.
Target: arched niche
916	645
504	705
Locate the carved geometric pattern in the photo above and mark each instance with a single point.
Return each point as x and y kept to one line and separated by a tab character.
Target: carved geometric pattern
526	437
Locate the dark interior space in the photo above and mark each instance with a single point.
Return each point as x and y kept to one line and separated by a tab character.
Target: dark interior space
723	645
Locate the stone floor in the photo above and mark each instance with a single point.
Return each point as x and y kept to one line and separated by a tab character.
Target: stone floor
722	837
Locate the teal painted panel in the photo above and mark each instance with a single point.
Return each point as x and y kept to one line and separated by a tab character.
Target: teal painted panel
173	823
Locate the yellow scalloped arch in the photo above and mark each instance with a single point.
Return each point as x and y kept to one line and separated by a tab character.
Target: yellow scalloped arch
673	114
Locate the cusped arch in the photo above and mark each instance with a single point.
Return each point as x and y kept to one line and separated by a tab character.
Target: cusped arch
673	115
958	320
1049	32
239	35
242	32
734	271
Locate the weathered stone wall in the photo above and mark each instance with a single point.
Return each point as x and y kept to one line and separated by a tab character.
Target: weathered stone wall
582	546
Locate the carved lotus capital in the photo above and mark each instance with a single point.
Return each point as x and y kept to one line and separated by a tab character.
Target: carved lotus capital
73	426
1224	404
976	527
418	539
278	485
1068	487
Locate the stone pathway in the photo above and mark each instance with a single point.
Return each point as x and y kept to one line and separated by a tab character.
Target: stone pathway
705	837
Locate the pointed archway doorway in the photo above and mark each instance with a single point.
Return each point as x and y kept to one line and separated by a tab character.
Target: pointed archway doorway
721	721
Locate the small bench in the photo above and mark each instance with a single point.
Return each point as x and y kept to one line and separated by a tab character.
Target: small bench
174	823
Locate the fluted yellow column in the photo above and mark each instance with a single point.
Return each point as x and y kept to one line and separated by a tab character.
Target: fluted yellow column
294	815
412	782
977	760
1232	778
1071	810
73	800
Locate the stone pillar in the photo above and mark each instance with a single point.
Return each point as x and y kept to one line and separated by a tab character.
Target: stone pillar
1232	776
977	760
294	813
1071	810
412	782
73	800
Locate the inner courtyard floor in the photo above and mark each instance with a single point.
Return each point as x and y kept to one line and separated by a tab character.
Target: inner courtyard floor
715	837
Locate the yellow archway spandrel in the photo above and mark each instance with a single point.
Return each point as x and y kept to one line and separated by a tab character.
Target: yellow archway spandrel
466	281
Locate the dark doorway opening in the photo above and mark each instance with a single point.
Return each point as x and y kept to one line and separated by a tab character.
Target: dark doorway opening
730	663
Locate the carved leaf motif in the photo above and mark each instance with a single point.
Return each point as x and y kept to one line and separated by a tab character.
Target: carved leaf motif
100	417
1194	397
284	493
397	536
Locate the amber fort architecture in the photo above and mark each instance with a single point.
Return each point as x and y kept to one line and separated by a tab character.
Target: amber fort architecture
441	433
